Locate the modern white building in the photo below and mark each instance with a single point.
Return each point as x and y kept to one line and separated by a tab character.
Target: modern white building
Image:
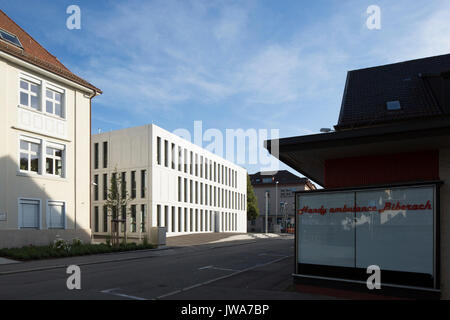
171	181
45	116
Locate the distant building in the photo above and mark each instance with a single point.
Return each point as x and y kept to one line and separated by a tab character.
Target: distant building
172	182
44	144
281	187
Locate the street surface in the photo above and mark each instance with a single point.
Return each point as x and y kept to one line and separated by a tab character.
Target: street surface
254	268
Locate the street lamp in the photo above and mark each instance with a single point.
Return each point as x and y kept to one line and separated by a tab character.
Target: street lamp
276	203
267	210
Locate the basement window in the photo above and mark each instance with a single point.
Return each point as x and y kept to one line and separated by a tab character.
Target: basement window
11	38
393	105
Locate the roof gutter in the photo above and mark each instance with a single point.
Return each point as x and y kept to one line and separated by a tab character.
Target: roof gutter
47	73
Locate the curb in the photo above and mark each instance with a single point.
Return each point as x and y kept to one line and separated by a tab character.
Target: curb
4	273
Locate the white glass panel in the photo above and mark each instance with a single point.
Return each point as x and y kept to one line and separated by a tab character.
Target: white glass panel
49	106
34	88
398	238
24	98
34	102
24	84
23	145
58	110
34	147
326	237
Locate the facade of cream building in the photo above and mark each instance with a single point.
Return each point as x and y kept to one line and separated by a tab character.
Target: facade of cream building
172	183
44	146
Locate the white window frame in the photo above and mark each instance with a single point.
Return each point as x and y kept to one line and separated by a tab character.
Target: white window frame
54	89
56	146
47	214
19	203
35	141
35	81
43	86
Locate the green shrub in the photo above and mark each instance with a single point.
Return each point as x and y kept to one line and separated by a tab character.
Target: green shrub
59	249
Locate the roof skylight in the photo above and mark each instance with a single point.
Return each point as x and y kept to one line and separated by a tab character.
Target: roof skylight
393	105
11	38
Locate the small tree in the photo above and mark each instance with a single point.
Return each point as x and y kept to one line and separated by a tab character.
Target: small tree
252	202
118	198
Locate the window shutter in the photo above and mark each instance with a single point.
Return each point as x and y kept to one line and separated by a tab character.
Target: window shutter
30	214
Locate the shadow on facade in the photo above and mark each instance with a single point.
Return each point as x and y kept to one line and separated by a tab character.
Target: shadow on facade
22	196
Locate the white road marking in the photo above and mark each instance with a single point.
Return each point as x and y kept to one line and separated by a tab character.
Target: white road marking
220	278
217	268
110	291
206	267
224	269
272	255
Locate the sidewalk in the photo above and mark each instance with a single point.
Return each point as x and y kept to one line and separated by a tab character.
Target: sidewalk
7	261
211	238
187	242
57	263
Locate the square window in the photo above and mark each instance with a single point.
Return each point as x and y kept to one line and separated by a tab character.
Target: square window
54	161
54	103
23	85
29	94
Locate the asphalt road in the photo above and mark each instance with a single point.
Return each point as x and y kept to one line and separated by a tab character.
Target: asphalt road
257	269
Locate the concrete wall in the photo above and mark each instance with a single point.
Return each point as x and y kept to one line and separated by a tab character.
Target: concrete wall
128	150
73	132
135	149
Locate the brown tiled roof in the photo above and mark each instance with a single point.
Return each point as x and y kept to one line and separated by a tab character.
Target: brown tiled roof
34	53
421	86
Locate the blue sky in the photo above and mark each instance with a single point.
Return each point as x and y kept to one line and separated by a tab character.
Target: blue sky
232	64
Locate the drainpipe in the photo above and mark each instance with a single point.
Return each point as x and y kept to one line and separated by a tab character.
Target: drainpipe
91	96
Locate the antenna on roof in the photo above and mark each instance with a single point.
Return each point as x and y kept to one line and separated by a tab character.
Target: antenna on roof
99	130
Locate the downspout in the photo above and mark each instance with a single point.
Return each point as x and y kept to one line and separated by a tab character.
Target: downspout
92	95
90	158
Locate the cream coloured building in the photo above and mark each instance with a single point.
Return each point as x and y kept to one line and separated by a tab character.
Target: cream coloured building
44	144
171	182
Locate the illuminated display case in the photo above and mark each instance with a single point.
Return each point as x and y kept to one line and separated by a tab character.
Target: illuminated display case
339	233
